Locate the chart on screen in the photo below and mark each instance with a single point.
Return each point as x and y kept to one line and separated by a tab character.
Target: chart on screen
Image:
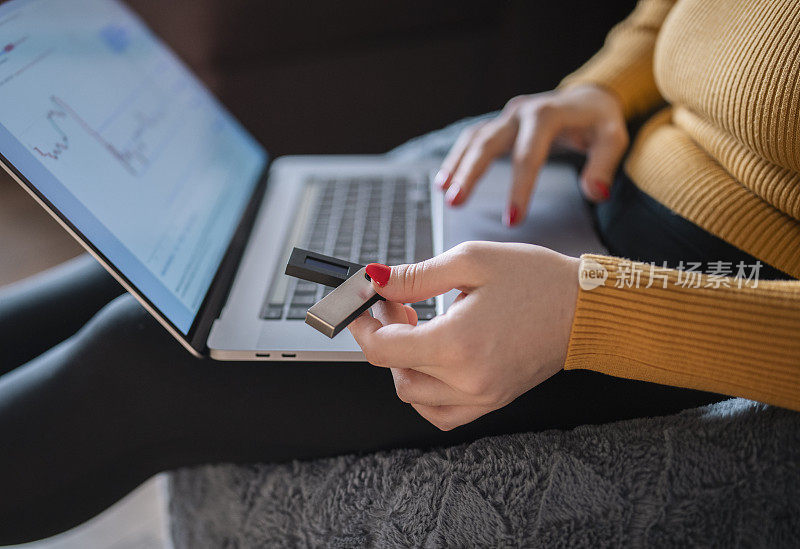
129	131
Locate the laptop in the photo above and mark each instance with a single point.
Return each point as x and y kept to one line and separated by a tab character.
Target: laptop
120	142
111	133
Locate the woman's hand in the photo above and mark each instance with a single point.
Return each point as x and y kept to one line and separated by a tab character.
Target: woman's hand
506	332
584	118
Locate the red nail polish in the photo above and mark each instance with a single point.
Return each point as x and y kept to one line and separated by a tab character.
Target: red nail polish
602	188
512	216
441	179
454	196
379	272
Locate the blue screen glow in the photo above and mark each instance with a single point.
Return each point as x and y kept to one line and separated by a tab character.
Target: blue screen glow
113	130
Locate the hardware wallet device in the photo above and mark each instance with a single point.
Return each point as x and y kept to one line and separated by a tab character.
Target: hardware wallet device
352	289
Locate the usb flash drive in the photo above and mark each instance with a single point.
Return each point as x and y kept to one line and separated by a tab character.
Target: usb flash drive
352	295
331	314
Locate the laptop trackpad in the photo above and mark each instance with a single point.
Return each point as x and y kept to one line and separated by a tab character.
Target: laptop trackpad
558	217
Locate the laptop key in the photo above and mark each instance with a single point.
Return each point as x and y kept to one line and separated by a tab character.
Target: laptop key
297	313
423	239
347	213
300	300
424	312
304	286
273	312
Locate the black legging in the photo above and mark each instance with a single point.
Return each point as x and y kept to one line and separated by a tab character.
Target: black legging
95	397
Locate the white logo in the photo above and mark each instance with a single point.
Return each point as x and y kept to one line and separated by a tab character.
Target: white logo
591	274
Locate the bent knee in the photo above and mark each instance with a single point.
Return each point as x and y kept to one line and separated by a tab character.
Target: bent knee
125	331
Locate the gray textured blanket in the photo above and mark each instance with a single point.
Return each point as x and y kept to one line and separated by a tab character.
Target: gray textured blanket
724	475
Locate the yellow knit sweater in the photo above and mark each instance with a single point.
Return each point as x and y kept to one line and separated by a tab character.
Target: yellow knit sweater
725	155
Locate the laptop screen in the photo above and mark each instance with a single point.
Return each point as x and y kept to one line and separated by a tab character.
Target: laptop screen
110	128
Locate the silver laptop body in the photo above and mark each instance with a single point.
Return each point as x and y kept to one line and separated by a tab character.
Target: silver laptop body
360	208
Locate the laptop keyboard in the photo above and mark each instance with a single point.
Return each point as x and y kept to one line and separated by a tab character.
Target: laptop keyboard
364	220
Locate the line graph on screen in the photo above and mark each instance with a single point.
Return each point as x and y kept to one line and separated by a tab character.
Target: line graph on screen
132	152
62	142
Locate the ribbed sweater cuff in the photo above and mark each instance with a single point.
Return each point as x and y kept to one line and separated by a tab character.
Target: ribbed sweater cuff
736	341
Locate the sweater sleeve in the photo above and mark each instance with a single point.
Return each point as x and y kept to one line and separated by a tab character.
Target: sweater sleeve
710	332
625	63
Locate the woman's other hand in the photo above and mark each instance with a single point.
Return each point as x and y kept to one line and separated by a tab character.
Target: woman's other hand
588	119
506	332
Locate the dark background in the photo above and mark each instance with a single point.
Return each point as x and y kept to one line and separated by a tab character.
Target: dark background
360	76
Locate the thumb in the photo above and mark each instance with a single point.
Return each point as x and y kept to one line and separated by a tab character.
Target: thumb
602	160
420	281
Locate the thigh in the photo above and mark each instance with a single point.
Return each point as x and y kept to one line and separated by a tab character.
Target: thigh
121	400
41	311
270	411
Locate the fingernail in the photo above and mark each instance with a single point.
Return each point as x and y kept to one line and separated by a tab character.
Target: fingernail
379	272
441	179
454	196
602	188
511	216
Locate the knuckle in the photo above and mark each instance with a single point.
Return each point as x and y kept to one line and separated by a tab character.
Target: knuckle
467	252
412	276
615	132
402	392
402	386
481	145
474	258
524	159
368	355
542	110
488	136
515	102
373	355
471	257
444	426
623	139
618	135
470	131
444	422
